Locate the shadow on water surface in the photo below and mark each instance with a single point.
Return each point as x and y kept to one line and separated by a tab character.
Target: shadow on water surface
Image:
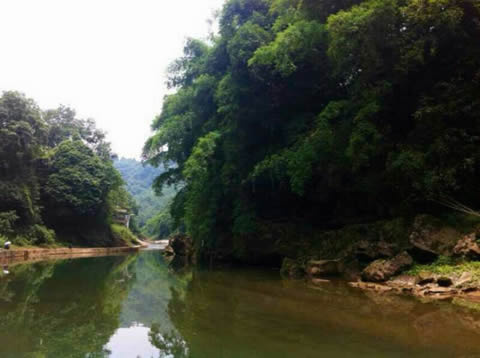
139	306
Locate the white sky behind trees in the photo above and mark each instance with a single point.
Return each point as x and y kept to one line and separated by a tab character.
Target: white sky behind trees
106	59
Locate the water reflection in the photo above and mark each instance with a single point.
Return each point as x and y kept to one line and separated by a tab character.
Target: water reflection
156	284
62	309
132	342
250	313
169	344
140	306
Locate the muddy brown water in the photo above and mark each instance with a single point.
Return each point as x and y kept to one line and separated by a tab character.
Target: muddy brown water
139	306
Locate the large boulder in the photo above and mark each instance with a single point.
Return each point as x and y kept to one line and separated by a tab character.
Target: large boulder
382	270
181	244
467	247
168	251
430	238
323	268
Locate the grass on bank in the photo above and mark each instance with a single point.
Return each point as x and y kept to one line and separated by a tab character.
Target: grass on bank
120	233
447	266
124	234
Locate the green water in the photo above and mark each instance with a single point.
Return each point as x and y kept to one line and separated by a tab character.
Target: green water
138	306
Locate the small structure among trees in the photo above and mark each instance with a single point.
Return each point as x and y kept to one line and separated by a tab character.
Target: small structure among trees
122	217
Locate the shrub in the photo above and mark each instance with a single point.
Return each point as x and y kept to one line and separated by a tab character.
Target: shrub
7	220
122	233
40	235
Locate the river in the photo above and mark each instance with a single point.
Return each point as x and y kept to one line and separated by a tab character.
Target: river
139	306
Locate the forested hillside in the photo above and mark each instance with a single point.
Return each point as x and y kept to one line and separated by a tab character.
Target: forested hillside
57	180
153	215
321	113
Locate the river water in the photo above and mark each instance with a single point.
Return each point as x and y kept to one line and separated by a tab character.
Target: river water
140	306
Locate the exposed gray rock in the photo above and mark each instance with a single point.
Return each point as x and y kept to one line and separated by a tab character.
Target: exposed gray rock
322	268
382	270
430	238
467	247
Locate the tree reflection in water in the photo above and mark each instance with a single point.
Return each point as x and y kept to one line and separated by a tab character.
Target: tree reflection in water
248	312
65	308
169	344
157	286
76	308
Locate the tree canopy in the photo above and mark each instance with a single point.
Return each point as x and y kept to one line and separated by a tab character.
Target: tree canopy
56	176
321	111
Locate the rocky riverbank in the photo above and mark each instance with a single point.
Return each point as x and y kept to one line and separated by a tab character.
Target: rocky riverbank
436	261
425	258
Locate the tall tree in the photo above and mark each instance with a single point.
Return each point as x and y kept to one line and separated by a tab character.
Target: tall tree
322	112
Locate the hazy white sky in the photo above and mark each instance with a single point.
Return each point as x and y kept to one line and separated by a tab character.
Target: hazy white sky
105	58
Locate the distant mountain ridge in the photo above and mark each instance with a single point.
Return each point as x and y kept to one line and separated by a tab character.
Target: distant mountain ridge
139	179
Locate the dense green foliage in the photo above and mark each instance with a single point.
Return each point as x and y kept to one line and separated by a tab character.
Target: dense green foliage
79	180
322	112
56	177
153	214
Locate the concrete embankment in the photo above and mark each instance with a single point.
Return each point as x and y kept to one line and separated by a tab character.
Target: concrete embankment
22	255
